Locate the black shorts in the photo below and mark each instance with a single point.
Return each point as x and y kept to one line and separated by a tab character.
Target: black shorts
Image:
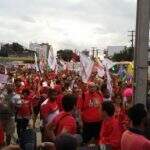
91	130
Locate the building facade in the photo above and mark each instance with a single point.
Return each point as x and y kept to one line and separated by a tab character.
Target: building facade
41	49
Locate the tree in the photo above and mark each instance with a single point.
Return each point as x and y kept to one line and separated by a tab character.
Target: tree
125	55
4	50
66	54
17	47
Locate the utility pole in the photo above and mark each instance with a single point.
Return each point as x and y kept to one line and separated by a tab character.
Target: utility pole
141	51
132	35
93	51
97	51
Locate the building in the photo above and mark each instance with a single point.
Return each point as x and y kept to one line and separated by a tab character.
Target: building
41	49
114	49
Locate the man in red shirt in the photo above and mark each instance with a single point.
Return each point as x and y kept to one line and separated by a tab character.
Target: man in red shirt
1	128
91	114
110	135
1	136
134	138
23	111
18	86
65	122
49	109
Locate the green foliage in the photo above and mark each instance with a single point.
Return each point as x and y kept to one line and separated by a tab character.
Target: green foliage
4	50
66	54
15	49
125	55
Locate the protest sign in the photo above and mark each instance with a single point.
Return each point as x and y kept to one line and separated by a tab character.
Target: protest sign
3	78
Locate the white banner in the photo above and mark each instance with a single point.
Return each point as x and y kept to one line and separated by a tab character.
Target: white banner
36	62
64	64
86	67
100	68
109	85
52	62
107	62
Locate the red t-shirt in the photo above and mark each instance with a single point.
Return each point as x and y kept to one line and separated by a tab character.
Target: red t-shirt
33	99
44	90
1	135
79	102
122	118
24	110
19	90
58	88
52	75
91	107
65	121
48	107
132	141
27	84
59	101
110	133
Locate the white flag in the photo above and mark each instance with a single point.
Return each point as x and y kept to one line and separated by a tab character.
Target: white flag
86	67
108	63
6	71
42	65
52	62
64	64
109	86
36	62
100	68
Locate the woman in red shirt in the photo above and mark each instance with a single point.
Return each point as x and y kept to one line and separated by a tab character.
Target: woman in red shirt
120	113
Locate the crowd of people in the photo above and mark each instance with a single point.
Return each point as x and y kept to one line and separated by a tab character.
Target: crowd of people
73	114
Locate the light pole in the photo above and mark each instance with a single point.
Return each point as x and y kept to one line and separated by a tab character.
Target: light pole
141	51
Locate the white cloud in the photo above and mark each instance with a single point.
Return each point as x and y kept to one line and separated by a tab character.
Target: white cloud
67	23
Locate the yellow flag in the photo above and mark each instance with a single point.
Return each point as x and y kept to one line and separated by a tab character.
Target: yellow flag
130	69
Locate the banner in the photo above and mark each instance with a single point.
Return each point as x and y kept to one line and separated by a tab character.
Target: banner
107	62
122	71
109	86
6	70
52	62
86	67
3	78
99	68
130	69
63	64
42	65
36	62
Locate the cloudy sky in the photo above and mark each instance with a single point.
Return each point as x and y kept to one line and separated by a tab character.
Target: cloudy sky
72	24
